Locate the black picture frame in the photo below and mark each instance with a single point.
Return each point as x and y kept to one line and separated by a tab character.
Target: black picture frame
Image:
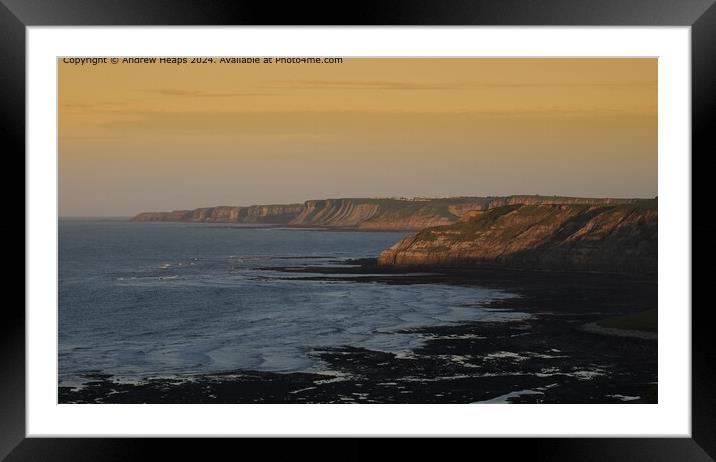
700	15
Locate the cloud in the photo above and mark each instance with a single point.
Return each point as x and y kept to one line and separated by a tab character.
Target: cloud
406	85
299	122
95	105
199	93
91	137
359	85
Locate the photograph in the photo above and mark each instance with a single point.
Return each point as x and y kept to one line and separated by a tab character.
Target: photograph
348	230
410	220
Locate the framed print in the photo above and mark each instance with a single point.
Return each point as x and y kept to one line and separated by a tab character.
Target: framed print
441	222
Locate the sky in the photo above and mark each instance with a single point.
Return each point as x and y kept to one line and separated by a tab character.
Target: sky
154	137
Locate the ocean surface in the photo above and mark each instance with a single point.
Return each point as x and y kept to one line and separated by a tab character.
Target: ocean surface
157	299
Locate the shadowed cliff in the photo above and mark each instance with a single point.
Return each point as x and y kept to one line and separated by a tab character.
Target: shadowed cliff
618	237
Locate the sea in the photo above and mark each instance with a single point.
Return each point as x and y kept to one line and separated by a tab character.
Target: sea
154	299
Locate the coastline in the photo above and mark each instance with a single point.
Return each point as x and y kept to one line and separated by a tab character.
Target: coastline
548	353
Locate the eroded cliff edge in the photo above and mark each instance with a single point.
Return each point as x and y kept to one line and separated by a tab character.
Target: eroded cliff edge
363	213
610	237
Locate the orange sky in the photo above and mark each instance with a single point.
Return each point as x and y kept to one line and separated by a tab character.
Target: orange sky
136	137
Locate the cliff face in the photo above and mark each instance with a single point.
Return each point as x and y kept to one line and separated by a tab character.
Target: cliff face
363	213
372	214
375	214
276	214
176	215
619	237
335	212
494	202
279	214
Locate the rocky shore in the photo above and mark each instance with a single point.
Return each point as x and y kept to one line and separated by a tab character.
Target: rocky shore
545	358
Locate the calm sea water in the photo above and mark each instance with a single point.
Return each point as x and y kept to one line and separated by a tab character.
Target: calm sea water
148	299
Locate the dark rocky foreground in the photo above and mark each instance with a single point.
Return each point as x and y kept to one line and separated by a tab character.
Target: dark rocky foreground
546	358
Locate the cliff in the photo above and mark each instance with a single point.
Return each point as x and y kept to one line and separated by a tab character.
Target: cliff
362	213
375	214
273	214
611	237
